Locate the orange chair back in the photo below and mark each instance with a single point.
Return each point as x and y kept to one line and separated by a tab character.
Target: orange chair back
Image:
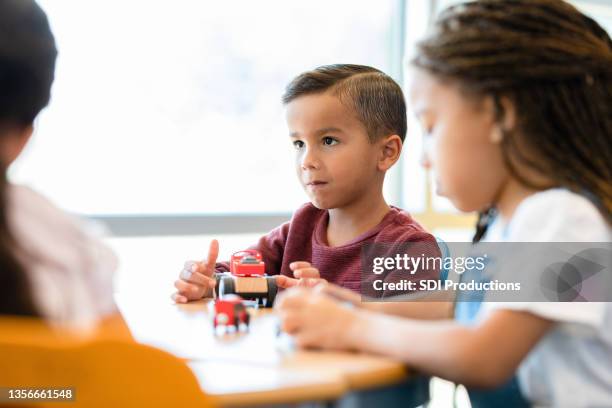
102	372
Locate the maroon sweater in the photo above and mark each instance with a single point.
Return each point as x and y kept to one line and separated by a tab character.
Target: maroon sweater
304	238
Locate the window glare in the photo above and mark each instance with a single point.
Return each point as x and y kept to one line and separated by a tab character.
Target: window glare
174	107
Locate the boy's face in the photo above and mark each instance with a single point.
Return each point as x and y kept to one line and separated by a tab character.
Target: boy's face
335	161
468	167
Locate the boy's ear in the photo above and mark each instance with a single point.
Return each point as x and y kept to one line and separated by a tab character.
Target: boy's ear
391	148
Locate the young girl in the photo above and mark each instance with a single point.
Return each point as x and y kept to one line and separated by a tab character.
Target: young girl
50	267
516	100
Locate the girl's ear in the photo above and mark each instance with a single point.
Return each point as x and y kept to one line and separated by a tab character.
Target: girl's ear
391	148
497	134
509	109
506	122
13	142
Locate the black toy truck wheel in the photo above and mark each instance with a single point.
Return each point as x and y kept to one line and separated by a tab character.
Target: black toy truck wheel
272	290
225	286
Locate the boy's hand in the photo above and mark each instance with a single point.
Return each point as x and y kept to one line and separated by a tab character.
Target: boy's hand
305	275
197	280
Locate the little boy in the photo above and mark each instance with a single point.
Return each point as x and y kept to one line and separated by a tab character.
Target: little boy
347	124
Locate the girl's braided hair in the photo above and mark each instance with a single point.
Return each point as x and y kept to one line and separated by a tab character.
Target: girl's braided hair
555	64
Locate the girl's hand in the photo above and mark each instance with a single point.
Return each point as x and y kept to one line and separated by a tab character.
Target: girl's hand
316	320
340	293
197	280
305	275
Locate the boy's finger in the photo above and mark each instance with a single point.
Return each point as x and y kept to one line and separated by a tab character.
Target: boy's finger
211	281
285	282
213	253
299	264
178	298
306	273
186	288
305	282
199	279
312	282
189	268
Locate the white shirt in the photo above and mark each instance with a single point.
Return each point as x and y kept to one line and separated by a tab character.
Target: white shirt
572	365
70	271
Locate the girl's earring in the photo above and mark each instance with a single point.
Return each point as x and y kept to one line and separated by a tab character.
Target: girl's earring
497	135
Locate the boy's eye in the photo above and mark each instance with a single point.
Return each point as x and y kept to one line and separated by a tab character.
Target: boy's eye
298	144
329	141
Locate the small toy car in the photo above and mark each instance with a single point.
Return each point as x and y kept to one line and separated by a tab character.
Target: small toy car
247	278
230	311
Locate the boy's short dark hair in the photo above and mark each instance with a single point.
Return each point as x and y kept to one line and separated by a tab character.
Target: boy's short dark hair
375	97
27	61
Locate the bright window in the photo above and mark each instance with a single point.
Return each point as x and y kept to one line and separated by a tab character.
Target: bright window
173	107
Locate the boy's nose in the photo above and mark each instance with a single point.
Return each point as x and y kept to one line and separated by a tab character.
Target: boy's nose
309	160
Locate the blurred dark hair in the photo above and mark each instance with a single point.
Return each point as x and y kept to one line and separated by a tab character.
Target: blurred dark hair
27	65
375	97
555	64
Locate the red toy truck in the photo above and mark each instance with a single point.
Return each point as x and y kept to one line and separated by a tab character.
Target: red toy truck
248	279
230	311
247	263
